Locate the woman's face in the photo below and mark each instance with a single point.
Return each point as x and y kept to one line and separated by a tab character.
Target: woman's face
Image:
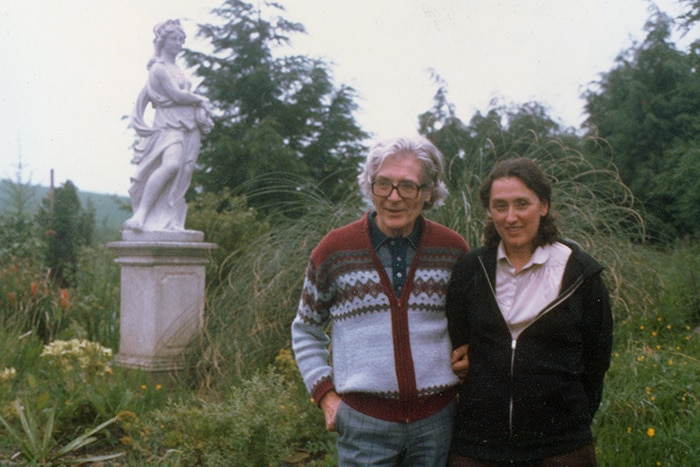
516	212
173	42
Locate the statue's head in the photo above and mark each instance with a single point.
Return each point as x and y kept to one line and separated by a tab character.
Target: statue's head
162	30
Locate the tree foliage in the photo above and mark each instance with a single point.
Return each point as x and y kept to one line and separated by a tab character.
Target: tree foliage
276	114
647	108
227	221
67	226
17	228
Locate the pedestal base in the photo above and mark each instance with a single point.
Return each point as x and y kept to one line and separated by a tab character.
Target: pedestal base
162	300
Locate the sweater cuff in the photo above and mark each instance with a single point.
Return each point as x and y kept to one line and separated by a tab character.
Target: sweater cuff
321	389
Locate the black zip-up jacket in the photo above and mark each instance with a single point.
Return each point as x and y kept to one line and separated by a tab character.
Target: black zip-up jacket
533	397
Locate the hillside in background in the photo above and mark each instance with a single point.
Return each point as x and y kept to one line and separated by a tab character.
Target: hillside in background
110	210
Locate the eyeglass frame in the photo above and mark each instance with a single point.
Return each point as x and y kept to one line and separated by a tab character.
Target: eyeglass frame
398	191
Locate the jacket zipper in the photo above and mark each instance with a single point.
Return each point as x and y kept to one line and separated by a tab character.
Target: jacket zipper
514	342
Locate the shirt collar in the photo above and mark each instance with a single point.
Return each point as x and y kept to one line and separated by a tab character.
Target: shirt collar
378	237
539	256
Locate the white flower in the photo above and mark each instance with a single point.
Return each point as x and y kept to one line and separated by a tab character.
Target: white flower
7	374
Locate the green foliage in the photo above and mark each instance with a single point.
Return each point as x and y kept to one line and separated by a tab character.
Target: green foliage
227	221
94	310
74	385
29	302
647	108
651	406
40	448
67	227
17	229
275	113
676	189
259	422
110	213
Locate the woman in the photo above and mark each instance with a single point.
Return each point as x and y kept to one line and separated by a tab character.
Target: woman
168	150
536	316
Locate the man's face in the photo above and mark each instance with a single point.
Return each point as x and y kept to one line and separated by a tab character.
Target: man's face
396	216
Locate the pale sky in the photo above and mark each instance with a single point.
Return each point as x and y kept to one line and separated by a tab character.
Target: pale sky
73	68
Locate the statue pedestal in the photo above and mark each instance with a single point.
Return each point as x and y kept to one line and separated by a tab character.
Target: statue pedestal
162	297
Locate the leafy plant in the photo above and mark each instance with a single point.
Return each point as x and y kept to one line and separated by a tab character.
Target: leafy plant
38	445
256	424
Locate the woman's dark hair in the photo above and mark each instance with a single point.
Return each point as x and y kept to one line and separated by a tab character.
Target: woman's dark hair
528	172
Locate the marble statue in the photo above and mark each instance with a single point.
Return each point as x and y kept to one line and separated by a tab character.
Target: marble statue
168	148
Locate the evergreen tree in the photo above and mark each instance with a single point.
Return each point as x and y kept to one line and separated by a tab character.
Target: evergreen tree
276	114
17	229
67	227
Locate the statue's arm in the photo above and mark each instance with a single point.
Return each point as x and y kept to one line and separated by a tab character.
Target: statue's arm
165	83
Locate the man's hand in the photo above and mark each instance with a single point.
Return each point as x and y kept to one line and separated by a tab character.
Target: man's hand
329	404
460	361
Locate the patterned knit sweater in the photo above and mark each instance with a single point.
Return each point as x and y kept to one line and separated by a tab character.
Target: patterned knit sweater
387	349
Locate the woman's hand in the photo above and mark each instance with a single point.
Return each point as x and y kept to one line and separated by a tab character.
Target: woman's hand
460	361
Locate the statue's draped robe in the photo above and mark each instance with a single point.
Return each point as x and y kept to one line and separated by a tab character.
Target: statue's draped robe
173	124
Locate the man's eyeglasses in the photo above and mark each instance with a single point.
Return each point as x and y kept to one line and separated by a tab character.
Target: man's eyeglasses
406	190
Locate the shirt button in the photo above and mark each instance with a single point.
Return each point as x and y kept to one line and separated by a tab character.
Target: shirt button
398	274
398	258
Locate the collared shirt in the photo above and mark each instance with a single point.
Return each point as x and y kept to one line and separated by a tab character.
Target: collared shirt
523	295
396	253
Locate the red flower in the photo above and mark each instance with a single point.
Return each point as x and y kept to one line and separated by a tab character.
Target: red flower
64	298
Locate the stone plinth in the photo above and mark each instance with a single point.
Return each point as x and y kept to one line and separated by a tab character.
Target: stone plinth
162	297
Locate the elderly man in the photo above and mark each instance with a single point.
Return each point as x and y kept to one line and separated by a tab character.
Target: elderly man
380	283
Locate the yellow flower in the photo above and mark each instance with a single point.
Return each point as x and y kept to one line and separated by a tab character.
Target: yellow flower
648	390
629	429
143	387
652	398
126	416
653	334
640	358
651	432
641	327
670	363
158	387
